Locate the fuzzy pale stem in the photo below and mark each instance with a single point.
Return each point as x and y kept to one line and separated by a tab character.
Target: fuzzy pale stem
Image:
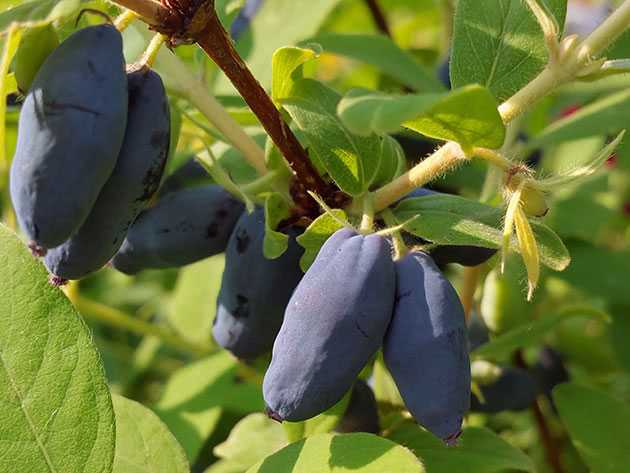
444	159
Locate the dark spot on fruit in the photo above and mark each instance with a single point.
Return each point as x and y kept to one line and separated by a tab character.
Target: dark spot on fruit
212	231
221	214
242	241
242	307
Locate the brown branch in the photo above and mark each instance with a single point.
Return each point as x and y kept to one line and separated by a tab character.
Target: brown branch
189	21
549	442
217	44
379	17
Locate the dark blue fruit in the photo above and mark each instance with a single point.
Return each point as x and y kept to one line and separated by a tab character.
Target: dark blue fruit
333	325
134	181
426	348
189	174
515	390
244	18
183	227
71	129
255	290
362	412
465	255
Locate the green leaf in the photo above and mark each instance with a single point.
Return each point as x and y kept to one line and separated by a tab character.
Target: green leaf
364	112
452	220
603	436
316	235
278	23
196	395
35	47
381	52
39	12
320	424
499	44
349	160
502	347
224	466
480	450
194	299
276	210
54	397
393	162
385	388
143	443
326	453
468	116
605	116
287	65
612	266
252	439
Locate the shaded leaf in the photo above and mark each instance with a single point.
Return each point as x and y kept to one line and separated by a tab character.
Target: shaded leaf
603	436
324	453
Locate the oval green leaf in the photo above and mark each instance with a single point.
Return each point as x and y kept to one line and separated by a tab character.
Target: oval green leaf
55	408
143	443
326	453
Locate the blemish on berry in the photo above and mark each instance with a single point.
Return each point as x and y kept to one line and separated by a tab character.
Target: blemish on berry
242	307
242	241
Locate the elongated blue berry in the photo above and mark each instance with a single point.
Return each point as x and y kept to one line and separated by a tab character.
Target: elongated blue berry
334	324
183	227
426	348
255	290
134	181
71	130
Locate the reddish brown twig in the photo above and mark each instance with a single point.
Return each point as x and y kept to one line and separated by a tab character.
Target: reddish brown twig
549	442
190	21
379	17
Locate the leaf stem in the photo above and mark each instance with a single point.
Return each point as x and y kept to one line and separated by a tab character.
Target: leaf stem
400	248
150	54
150	10
113	317
125	19
367	222
574	58
550	445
